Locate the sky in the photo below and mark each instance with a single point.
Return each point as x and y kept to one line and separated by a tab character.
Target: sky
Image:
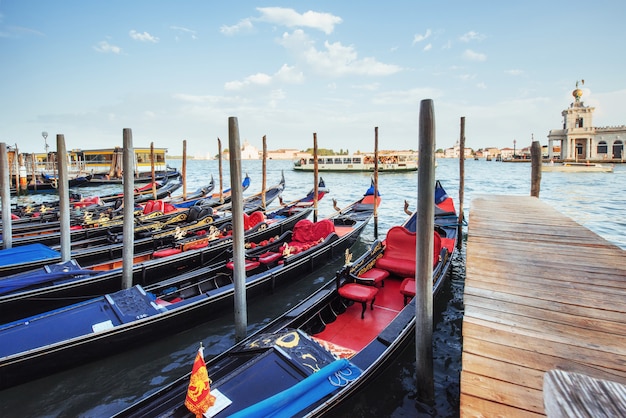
174	71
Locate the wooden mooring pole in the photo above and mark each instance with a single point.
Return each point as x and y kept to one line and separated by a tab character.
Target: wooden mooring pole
128	253
184	169
64	200
219	165
239	269
459	242
535	172
264	178
424	256
315	174
376	182
5	194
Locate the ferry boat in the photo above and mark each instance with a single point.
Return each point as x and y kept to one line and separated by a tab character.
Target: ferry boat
104	164
387	162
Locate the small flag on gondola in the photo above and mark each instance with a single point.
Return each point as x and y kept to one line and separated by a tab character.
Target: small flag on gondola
199	398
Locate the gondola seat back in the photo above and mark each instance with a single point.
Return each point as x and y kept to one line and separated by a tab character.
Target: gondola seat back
400	252
197	213
255	218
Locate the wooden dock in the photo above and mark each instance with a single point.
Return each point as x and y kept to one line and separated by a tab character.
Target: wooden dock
541	293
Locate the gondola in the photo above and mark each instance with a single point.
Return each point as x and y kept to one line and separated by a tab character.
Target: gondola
56	285
108	248
88	208
48	184
103	326
143	177
325	349
97	223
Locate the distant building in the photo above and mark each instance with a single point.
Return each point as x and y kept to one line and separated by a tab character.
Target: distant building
455	151
286	154
580	140
248	152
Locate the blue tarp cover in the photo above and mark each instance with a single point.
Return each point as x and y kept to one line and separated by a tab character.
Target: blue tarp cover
308	391
27	253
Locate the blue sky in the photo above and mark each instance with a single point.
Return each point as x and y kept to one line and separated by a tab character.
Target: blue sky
177	70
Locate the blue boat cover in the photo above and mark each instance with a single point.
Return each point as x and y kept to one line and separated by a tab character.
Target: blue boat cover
47	275
308	391
27	253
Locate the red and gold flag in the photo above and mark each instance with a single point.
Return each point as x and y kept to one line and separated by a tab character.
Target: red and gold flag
199	398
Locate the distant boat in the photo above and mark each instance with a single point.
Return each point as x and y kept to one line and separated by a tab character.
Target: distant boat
576	167
387	162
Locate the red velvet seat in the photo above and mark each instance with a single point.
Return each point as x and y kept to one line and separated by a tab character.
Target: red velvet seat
400	252
407	288
269	257
166	252
376	275
359	293
250	265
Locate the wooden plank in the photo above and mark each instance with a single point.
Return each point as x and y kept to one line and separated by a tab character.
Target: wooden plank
485	387
473	407
541	293
536	359
577	395
590	316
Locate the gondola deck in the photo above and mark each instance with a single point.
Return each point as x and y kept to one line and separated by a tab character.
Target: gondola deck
352	332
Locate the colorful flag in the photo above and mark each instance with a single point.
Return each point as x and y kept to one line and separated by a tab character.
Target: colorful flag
199	398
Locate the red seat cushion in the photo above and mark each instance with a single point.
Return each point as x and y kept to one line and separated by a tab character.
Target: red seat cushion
269	257
166	252
407	287
250	265
375	274
358	292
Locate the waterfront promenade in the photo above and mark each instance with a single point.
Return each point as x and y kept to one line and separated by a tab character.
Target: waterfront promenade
541	293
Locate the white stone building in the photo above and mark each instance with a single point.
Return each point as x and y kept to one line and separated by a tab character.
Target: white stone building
580	140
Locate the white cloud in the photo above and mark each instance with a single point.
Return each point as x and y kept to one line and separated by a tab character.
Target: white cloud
514	72
180	29
241	26
143	37
106	47
474	56
471	36
289	74
289	17
285	74
419	37
336	59
428	47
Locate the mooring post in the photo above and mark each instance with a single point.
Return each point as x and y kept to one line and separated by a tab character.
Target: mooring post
5	194
239	256
315	174
264	178
459	242
184	169
154	188
535	172
424	256
375	182
219	165
129	209
64	199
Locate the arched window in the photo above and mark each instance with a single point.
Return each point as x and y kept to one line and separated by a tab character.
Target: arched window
602	147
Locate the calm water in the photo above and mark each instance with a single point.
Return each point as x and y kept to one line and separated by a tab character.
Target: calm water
104	387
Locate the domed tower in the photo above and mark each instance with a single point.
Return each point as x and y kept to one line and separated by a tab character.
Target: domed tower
578	93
